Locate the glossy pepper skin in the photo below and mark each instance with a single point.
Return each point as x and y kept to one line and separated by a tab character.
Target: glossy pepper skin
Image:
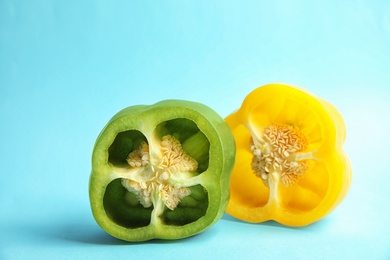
290	164
161	171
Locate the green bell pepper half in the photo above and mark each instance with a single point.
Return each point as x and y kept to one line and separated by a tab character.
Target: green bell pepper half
161	171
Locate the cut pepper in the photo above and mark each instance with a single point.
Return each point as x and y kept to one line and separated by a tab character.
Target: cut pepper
290	164
161	171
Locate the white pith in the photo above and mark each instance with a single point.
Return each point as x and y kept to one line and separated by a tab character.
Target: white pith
279	155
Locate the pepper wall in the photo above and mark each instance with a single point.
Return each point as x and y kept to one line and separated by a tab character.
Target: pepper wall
67	66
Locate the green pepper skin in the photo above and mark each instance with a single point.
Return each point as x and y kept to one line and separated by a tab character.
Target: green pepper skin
118	212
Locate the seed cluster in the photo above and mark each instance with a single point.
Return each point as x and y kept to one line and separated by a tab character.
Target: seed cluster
275	152
139	157
173	160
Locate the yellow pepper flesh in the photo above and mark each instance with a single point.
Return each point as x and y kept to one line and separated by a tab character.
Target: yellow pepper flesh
290	164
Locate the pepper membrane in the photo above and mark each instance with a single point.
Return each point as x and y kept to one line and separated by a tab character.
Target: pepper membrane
290	163
161	171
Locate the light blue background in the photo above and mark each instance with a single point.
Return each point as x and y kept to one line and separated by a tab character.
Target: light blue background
67	66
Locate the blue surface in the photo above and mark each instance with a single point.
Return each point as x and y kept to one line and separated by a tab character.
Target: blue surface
67	66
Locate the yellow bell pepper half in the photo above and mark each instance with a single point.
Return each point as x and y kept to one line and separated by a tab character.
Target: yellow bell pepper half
290	164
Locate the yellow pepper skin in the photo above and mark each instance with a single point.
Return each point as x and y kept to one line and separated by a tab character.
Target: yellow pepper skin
290	163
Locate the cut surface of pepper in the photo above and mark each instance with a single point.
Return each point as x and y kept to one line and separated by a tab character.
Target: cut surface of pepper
161	171
291	166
